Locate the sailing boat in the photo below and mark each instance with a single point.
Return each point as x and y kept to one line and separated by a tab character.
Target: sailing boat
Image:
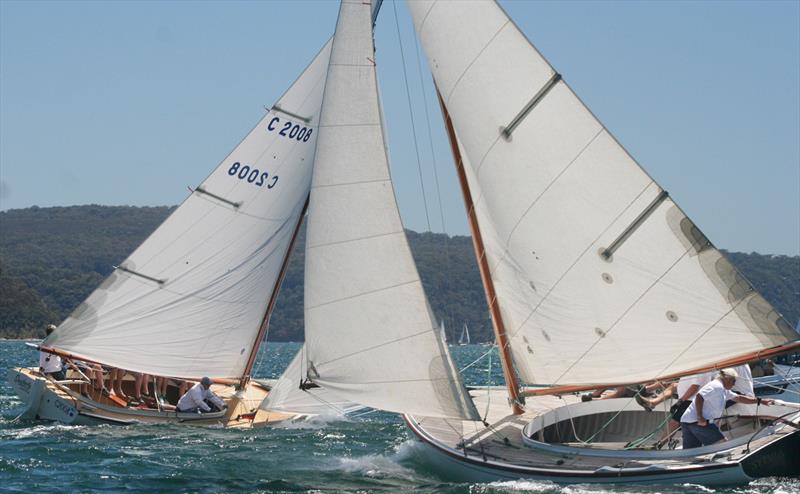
194	299
464	338
584	258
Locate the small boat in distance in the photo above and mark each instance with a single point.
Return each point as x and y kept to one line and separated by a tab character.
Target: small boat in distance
464	338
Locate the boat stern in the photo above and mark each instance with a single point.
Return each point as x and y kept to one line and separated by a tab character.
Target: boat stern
40	402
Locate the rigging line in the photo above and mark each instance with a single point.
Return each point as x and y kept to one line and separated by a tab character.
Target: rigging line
430	135
447	267
326	403
411	114
491	348
488	386
630	307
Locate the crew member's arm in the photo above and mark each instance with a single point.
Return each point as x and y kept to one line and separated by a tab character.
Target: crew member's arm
216	400
750	400
197	396
698	406
689	392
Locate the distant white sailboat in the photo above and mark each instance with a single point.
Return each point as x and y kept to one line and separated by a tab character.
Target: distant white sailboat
464	338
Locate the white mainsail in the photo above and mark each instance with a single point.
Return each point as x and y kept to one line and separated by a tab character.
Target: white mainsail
592	262
370	336
190	300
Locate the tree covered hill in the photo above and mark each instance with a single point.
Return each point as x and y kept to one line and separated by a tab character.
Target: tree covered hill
52	258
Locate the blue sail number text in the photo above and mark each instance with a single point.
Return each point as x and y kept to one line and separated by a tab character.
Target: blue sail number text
289	129
252	175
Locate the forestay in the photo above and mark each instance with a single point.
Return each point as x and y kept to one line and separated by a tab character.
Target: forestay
189	301
592	262
370	336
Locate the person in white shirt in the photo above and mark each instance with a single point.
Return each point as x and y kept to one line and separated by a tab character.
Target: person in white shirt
709	405
49	363
686	388
199	398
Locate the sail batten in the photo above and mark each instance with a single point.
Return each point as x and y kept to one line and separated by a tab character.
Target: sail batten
370	337
592	261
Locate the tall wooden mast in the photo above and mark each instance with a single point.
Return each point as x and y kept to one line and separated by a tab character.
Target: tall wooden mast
512	382
262	331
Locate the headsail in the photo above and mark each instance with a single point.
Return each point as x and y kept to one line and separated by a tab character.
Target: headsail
189	301
286	395
370	336
592	262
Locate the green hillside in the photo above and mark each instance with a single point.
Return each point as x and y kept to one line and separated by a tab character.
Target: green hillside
52	258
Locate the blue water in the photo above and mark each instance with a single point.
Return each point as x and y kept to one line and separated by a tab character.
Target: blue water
372	453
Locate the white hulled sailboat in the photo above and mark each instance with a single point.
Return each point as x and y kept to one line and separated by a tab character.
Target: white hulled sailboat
585	259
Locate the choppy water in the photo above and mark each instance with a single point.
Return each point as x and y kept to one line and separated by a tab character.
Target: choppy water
372	453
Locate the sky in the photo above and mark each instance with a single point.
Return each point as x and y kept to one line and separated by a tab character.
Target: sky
130	103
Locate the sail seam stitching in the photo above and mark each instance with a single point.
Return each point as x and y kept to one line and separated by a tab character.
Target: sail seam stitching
349	125
364	350
376	181
370	292
477	56
340	242
551	184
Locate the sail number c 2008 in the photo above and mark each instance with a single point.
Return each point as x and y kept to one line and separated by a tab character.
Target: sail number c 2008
290	130
252	175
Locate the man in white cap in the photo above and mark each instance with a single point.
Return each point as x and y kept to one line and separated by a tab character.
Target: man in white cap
709	405
49	363
200	398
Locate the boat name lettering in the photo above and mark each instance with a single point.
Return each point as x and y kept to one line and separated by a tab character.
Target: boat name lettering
290	129
64	408
252	175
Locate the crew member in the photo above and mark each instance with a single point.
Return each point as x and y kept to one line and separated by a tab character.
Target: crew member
200	398
49	363
709	405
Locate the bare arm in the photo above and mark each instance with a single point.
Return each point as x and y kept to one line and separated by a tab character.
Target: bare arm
689	392
750	400
698	405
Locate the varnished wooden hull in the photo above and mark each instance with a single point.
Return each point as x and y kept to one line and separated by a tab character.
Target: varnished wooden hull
47	400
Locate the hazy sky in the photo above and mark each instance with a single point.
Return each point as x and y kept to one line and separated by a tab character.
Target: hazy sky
131	102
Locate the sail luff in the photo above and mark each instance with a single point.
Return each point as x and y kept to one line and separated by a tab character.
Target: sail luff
264	327
510	374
